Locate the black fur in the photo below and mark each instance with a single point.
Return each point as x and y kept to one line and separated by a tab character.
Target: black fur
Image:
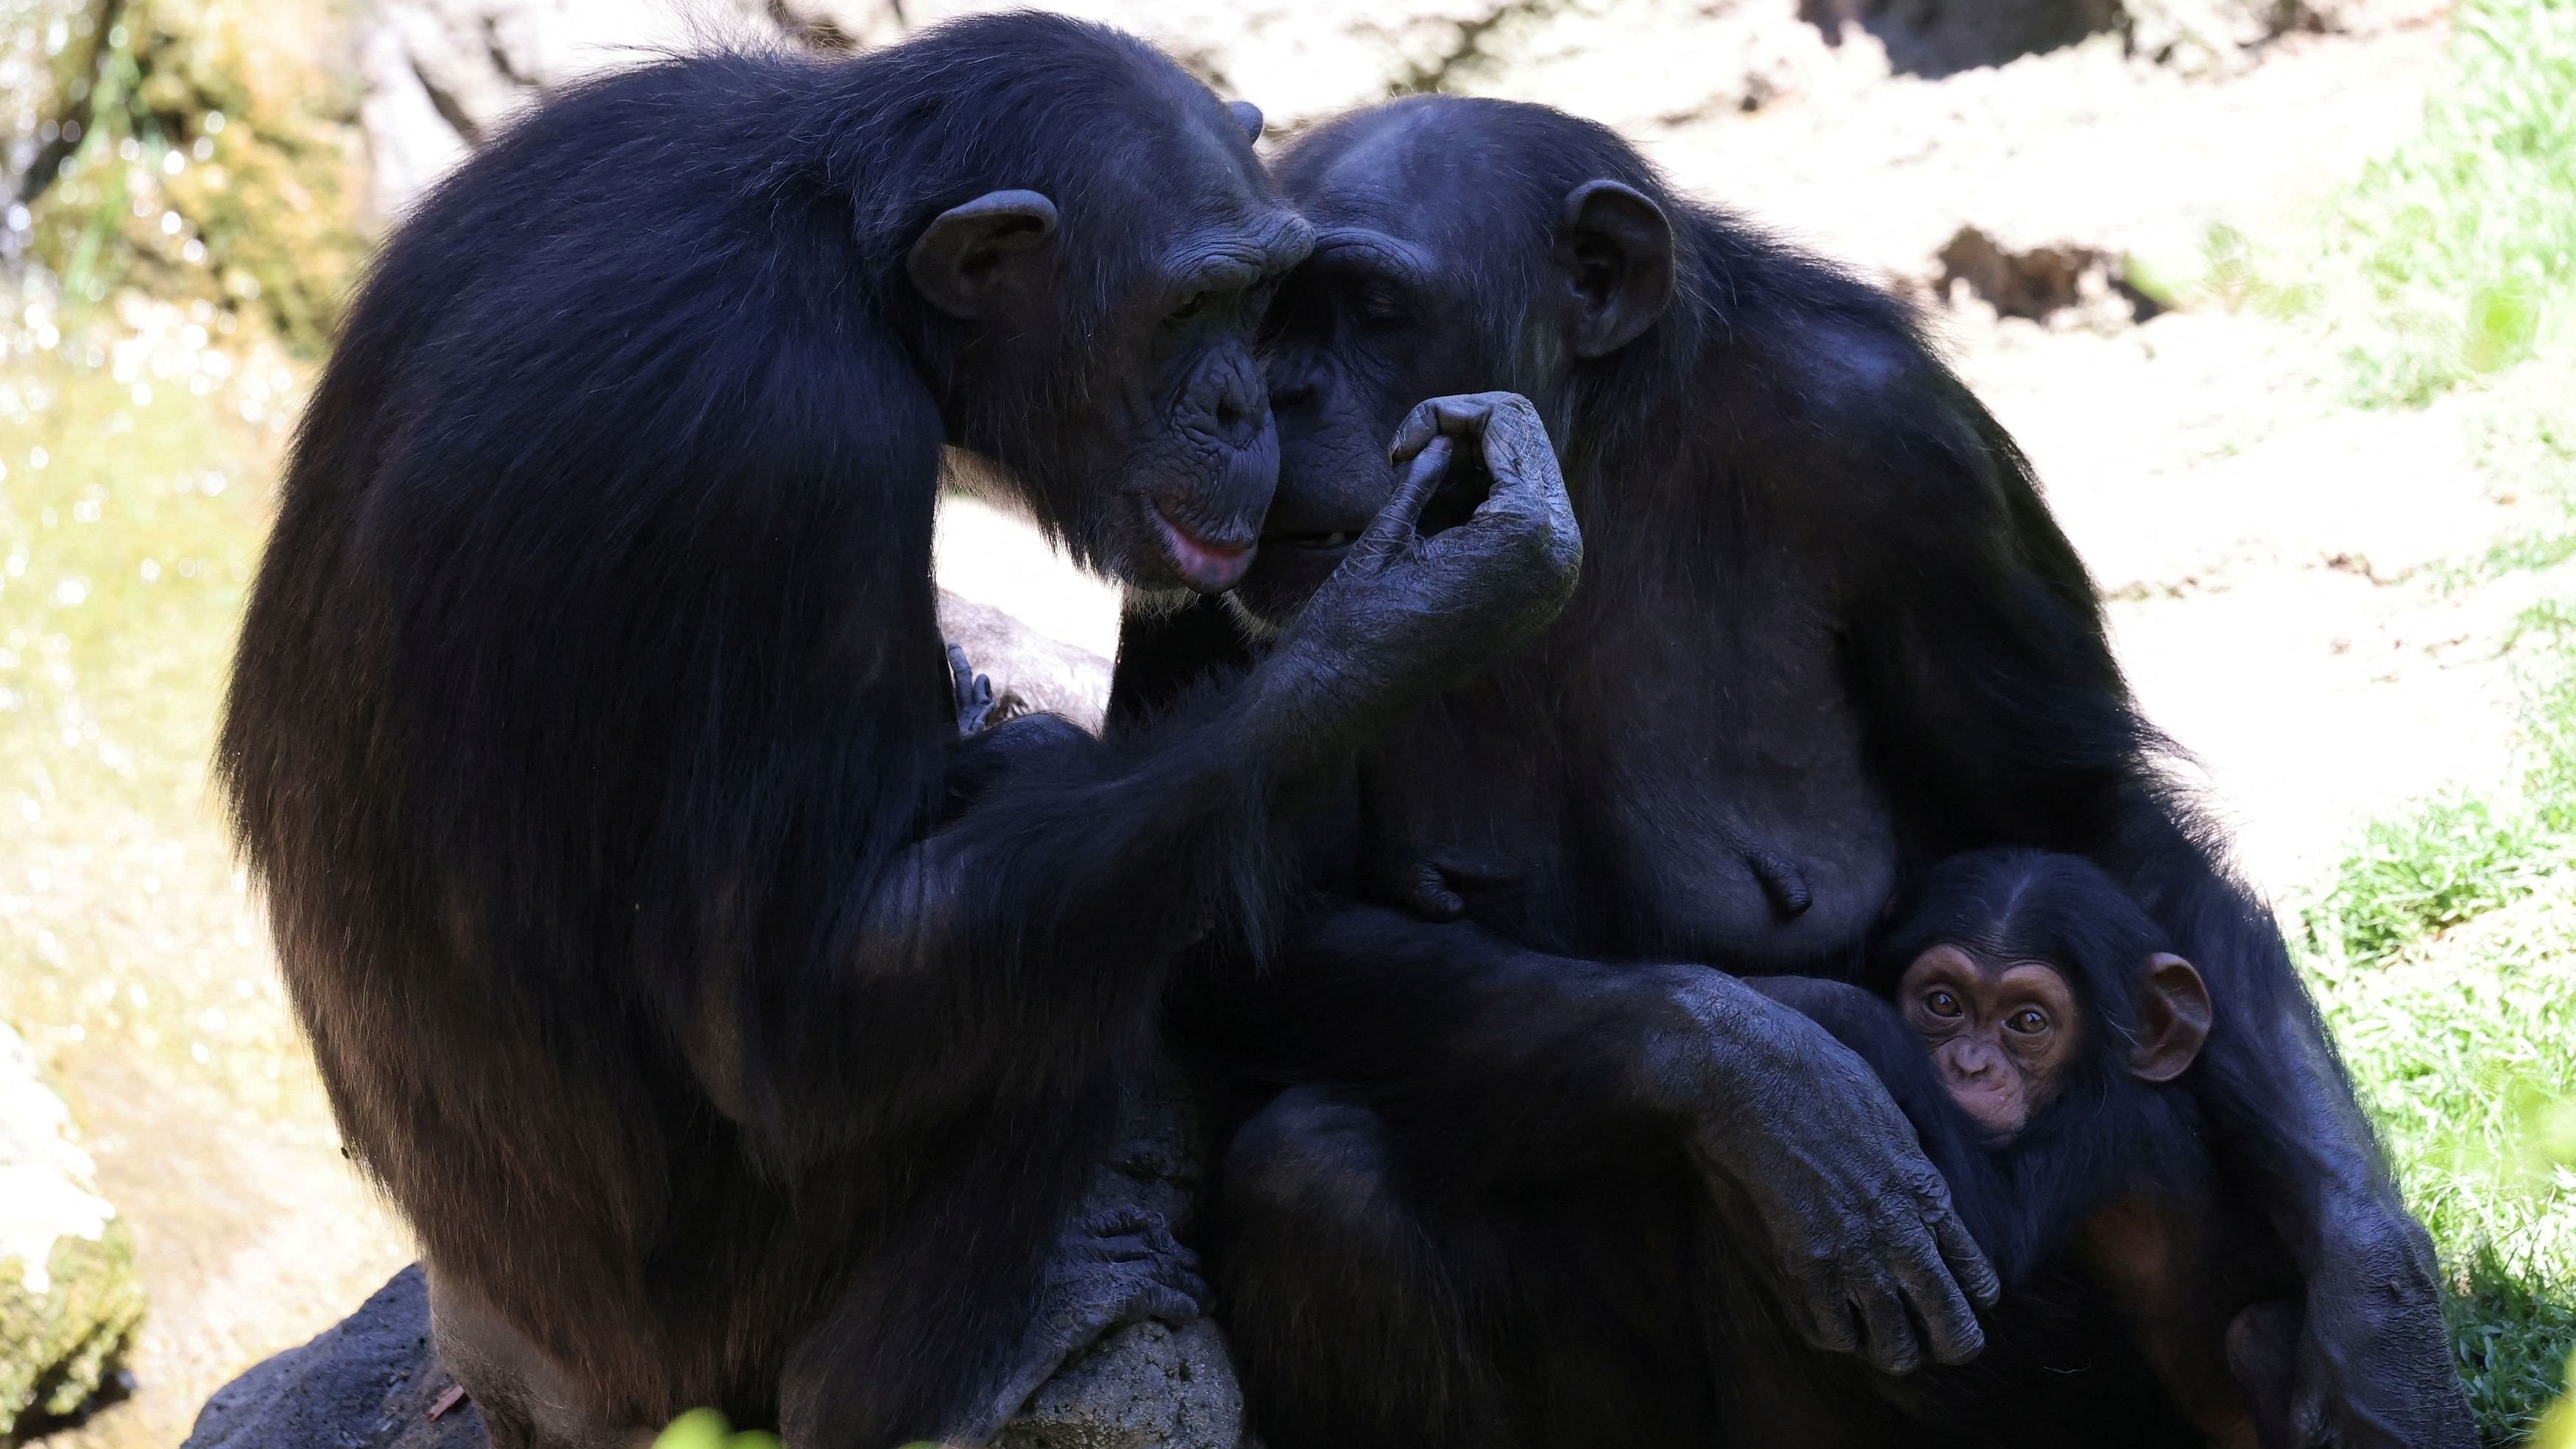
591	721
2058	1352
1827	635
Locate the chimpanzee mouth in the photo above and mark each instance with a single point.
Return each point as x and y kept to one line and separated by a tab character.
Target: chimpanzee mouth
1208	565
1332	542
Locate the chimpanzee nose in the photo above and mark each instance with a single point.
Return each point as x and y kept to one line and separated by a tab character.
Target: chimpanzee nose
1972	1060
1291	394
1237	408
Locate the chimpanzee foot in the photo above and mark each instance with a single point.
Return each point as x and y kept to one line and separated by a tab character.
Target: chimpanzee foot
974	693
1109	1269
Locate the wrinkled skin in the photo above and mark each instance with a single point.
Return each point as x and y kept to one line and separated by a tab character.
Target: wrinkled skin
1156	456
1828	632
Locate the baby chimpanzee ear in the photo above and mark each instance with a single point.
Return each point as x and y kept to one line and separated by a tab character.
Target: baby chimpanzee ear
1615	247
2173	1020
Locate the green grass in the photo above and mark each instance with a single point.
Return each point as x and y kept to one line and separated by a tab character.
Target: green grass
2453	259
2443	951
2465	239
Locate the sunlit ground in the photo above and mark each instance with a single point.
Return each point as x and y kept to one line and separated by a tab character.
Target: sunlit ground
138	449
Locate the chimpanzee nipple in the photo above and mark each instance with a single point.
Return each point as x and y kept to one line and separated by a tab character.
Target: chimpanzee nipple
1782	882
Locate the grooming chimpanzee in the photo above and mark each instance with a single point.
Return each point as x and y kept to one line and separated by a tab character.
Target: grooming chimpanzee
2037	1030
1828	635
591	732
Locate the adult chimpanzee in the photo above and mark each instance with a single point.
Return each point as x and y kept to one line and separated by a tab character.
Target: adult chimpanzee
2038	1028
592	735
1829	634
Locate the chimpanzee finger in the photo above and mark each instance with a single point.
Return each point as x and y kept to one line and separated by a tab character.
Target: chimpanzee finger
1937	1280
1451	417
1464	416
1887	1335
1830	1325
1393	526
1528	502
1950	1327
1969	1266
1161	1302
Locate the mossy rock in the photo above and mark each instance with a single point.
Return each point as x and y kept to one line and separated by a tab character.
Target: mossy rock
70	1297
223	160
48	53
57	1347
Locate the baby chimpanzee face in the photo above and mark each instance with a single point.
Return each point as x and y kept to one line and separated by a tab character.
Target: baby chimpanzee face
2001	1037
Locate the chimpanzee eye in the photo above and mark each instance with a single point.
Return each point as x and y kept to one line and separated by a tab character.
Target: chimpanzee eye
1197	303
1379	302
1941	1003
2029	1021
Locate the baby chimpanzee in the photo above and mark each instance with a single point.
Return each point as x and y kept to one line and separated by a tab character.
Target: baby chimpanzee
2033	1024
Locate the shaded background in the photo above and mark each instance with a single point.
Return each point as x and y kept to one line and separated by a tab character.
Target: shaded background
2275	292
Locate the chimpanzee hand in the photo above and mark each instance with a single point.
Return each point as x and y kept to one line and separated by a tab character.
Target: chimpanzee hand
2373	1366
1792	1128
1403	611
974	693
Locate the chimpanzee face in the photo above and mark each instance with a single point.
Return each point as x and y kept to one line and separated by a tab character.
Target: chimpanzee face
2000	1037
1369	326
1430	277
2005	1035
1105	358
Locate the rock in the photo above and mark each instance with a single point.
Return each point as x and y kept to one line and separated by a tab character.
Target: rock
1031	673
2209	37
1147	1386
1641	64
366	1383
229	167
69	1295
1930	38
49	57
442	75
443	72
371	1382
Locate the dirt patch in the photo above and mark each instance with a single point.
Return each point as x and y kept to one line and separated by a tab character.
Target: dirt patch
2038	283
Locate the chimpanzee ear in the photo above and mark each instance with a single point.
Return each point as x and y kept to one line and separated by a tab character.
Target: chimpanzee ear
985	255
2173	1020
1615	247
1249	116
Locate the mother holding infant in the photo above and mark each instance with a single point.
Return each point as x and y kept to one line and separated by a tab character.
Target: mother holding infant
734	1030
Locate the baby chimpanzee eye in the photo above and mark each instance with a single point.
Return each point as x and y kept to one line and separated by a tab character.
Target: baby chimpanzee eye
2029	1021
1941	1003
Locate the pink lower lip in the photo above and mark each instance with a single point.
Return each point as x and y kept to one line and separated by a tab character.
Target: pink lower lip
1207	567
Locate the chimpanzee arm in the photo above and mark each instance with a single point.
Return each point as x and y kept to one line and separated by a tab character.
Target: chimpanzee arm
1503	1064
1164	653
991	957
1996	714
